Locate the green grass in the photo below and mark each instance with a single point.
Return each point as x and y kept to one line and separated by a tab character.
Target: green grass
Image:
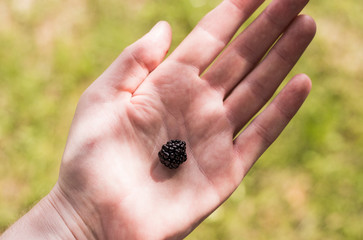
308	185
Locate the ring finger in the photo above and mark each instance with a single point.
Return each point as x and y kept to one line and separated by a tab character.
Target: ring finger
257	88
251	45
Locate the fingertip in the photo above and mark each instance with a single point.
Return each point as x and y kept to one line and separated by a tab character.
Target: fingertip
165	25
159	38
308	24
297	90
162	30
303	82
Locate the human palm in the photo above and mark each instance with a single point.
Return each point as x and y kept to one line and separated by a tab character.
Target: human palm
111	174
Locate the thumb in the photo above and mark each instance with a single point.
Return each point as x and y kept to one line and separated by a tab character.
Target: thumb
135	63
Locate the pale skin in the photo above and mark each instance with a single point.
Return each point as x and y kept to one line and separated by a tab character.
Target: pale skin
111	183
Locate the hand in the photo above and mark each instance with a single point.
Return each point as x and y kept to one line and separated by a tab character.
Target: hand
111	177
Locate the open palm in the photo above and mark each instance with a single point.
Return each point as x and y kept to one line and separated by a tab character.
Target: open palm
111	174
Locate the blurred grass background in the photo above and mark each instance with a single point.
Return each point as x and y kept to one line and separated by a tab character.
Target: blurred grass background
308	185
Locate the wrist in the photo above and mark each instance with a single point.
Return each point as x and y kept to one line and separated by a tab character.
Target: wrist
52	218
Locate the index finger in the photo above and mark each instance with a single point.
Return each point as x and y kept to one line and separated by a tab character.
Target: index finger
213	32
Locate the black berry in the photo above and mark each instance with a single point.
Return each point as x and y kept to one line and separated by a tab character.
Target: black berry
172	154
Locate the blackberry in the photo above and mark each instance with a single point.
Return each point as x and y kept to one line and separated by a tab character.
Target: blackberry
172	154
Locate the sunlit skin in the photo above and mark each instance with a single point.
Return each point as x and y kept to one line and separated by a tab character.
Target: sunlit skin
111	183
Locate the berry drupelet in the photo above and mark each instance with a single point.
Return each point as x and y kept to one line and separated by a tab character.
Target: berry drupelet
172	154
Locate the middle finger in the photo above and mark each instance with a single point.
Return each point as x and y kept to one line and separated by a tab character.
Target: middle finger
251	45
